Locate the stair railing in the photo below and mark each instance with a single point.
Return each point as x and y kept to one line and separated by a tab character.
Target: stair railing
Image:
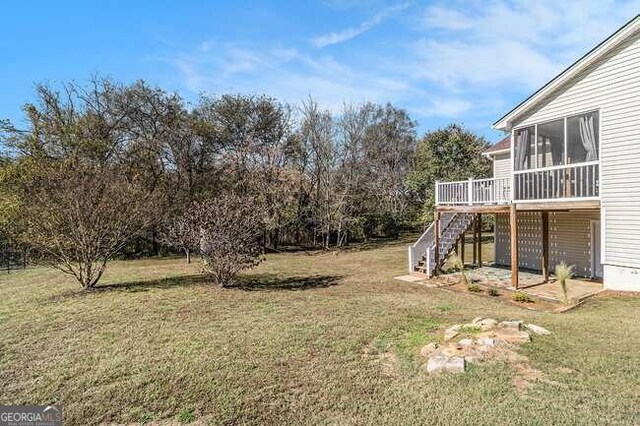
423	246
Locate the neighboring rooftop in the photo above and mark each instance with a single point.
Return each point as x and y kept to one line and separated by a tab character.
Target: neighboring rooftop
502	145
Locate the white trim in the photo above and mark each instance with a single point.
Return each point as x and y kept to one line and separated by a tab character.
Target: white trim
629	29
592	224
556	200
603	225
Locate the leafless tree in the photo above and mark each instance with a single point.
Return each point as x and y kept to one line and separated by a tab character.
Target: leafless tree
79	217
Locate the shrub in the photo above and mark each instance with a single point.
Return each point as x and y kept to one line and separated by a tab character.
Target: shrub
493	292
458	263
519	296
564	272
228	232
474	288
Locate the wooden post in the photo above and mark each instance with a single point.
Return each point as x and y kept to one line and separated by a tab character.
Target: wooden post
479	239
436	254
474	243
462	244
545	245
513	223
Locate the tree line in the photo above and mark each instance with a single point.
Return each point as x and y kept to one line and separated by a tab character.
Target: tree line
101	168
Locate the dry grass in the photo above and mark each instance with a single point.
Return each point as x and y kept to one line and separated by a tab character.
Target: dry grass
304	339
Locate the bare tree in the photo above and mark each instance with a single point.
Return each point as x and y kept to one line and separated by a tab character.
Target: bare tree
177	232
228	230
79	217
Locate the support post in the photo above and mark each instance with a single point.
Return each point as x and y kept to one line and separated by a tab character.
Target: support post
474	243
479	223
436	252
513	224
545	245
462	244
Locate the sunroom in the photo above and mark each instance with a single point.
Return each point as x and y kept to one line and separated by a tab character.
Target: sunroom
554	160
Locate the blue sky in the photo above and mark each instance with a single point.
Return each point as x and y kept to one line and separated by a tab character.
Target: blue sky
444	61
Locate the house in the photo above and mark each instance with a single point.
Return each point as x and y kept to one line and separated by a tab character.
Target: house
566	179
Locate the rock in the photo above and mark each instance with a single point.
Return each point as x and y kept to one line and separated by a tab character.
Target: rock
514	336
476	320
441	363
451	332
455	364
465	342
514	325
487	341
537	329
436	363
428	349
487	324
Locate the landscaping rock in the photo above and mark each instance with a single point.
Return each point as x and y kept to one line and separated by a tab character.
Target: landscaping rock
441	363
514	325
513	336
487	341
451	332
537	329
487	324
428	349
465	342
455	364
476	320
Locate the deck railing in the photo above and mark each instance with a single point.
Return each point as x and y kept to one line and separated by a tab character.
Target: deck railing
574	181
474	191
558	182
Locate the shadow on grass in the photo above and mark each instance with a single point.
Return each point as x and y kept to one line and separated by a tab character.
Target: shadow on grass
270	282
261	282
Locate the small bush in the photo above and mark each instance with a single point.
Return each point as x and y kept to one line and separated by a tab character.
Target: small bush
564	272
474	288
493	292
522	297
458	263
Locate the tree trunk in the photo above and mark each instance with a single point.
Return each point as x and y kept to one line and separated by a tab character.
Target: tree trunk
188	253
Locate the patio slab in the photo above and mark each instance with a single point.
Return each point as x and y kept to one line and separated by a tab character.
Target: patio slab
533	283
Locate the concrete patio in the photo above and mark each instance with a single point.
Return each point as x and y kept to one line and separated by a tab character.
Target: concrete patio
532	283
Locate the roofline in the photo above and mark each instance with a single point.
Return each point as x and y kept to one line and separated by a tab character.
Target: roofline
603	47
498	151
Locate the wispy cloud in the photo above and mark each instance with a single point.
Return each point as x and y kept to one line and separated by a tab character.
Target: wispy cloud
349	33
287	73
466	61
511	42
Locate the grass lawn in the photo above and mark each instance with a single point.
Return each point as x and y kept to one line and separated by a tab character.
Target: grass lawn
304	340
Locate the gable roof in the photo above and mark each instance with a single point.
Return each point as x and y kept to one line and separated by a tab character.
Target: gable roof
574	69
503	145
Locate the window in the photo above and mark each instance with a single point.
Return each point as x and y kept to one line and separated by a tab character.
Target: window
582	138
525	148
551	143
554	143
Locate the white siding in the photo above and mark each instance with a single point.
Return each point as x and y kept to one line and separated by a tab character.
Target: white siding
612	85
502	166
569	240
